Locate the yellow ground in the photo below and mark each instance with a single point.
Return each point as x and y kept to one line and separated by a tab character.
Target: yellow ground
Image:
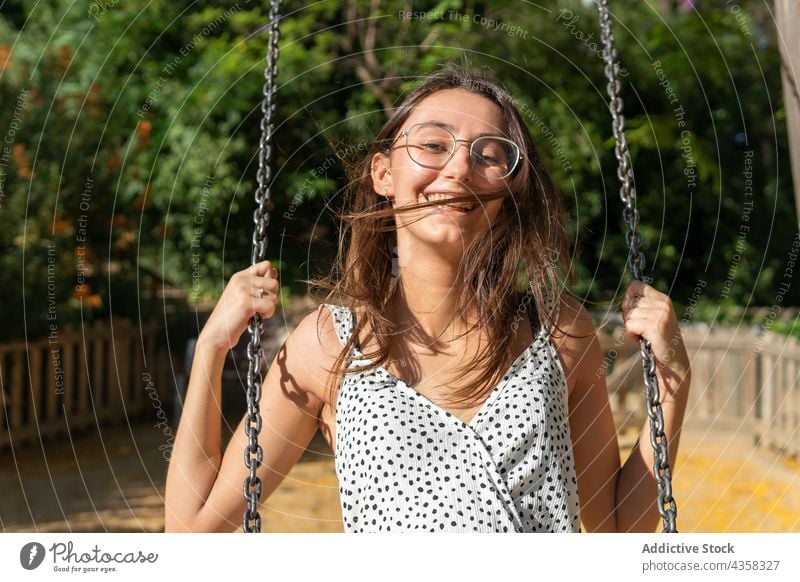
114	481
723	483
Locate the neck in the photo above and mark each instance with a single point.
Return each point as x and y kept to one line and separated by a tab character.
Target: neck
427	293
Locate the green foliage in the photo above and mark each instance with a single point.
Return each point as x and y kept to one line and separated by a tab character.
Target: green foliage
157	109
789	327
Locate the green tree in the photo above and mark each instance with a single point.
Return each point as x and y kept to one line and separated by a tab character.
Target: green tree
149	116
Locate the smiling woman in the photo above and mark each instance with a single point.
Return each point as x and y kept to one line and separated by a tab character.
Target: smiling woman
444	413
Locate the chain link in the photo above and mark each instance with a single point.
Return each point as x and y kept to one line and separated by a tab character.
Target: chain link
253	454
661	470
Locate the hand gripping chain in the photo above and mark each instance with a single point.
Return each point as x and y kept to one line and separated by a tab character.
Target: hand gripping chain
666	504
253	455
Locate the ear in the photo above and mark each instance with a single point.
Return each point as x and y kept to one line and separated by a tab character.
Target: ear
382	175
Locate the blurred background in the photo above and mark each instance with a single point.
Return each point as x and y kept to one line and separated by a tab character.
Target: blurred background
128	144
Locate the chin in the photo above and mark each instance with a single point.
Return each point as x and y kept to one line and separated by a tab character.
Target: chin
446	239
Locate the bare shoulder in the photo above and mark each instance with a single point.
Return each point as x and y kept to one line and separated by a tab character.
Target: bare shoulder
575	339
310	352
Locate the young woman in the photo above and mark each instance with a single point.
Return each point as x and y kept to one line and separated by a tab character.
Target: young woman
468	403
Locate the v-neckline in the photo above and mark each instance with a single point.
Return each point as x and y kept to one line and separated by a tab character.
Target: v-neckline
493	394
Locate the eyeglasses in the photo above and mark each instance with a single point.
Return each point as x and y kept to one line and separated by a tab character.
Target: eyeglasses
433	146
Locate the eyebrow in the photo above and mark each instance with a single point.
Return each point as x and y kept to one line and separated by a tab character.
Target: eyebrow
453	128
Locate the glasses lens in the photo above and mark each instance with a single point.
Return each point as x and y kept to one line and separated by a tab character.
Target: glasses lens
429	145
494	158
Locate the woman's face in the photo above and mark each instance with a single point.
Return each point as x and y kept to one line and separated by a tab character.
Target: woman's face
405	182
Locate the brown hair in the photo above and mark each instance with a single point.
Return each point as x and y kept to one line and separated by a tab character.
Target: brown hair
528	241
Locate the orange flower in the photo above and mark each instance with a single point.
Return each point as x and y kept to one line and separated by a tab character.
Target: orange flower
124	240
95	301
141	201
61	226
65	57
93	98
119	220
5	57
114	162
23	168
84	254
144	128
82	291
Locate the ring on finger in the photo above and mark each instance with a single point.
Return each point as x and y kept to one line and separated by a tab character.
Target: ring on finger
260	291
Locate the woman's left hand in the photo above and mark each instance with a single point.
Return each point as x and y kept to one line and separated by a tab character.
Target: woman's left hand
649	314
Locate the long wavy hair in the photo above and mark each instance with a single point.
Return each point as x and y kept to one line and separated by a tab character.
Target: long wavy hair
502	274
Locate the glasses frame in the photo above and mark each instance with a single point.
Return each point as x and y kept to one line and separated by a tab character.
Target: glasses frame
456	141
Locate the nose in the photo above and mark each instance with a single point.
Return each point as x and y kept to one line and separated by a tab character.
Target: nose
459	166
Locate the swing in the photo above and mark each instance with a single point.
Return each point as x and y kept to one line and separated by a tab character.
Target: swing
253	454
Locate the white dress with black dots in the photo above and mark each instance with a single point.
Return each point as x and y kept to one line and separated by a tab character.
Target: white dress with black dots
405	464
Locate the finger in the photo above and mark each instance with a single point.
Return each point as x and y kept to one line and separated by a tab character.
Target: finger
260	269
266	282
636	288
266	305
625	300
272	274
647	322
631	302
628	302
268	290
635	327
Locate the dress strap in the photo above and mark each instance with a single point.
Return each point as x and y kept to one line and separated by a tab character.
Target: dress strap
553	310
549	314
533	317
343	322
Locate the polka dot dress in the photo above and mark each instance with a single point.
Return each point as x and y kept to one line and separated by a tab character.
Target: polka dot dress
404	464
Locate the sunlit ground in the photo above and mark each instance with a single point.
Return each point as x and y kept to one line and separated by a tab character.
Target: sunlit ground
723	484
116	483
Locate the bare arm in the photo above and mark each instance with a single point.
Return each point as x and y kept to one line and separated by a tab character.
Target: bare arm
615	498
652	316
594	438
204	485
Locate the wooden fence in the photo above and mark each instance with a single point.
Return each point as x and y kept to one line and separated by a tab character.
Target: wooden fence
78	378
740	380
113	373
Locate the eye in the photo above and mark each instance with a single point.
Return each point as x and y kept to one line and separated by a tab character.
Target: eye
486	160
435	147
490	152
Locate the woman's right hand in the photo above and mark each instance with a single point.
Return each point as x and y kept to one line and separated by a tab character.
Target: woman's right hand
240	300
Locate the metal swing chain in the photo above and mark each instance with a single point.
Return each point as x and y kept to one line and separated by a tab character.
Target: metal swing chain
253	455
661	470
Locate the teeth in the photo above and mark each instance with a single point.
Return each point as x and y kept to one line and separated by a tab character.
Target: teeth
462	206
